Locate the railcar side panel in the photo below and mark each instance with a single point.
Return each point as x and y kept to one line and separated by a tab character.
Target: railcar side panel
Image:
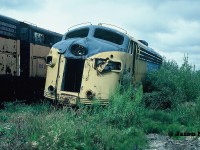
9	56
37	60
23	48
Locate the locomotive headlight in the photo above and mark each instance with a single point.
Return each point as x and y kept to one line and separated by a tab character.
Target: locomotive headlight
51	89
78	50
90	95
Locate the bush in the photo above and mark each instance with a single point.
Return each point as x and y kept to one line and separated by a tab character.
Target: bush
172	85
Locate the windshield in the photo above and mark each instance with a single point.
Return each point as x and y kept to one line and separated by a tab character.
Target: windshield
78	33
109	36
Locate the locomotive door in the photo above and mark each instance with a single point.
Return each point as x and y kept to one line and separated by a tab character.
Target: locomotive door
134	69
24	52
132	51
134	57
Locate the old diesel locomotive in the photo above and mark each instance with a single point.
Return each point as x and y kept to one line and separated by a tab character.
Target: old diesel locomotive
23	49
87	64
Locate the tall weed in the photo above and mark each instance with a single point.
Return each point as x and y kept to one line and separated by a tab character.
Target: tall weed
115	126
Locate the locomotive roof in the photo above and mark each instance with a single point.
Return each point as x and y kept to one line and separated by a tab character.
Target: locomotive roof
92	30
9	20
127	37
45	31
26	24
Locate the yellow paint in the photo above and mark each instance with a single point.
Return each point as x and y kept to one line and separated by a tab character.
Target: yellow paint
140	70
101	85
38	54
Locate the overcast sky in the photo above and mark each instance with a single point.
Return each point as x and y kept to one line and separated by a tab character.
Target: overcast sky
171	27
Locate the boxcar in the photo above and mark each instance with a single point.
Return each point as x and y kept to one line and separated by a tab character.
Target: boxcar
23	50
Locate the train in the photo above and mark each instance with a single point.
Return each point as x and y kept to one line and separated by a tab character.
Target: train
23	51
87	64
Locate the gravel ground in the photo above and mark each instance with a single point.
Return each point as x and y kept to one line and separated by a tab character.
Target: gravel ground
160	142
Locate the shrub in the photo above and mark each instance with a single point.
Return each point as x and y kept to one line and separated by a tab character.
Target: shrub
172	85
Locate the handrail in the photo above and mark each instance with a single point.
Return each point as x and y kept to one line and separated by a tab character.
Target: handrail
79	25
30	23
101	24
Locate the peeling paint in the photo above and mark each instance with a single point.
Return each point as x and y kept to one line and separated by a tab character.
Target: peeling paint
88	73
8	70
2	66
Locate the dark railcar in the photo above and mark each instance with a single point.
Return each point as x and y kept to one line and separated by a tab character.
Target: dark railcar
23	49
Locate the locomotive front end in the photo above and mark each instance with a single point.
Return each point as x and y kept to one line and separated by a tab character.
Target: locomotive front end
85	67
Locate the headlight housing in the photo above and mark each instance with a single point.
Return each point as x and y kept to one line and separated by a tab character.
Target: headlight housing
78	50
90	94
51	89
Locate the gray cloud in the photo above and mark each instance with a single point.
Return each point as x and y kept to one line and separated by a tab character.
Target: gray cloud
170	26
21	5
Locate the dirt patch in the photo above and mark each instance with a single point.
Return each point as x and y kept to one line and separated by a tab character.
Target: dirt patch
161	142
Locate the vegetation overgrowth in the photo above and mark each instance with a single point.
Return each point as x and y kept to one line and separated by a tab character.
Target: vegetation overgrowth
171	104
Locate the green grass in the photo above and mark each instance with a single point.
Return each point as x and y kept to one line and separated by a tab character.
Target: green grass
115	126
173	105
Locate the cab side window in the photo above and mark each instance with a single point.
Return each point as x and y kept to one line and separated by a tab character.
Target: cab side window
38	37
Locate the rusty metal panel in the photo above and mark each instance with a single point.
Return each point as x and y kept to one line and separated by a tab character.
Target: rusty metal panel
8	45
8	56
7	64
38	54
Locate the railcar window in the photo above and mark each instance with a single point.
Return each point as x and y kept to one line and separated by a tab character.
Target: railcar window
38	37
109	36
78	33
7	29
